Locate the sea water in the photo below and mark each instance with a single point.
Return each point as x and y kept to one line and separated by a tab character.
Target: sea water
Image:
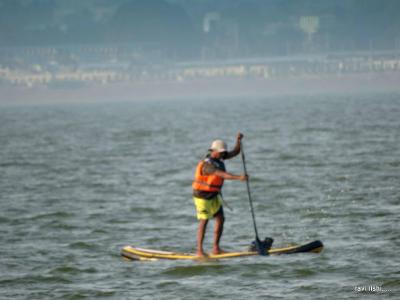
80	181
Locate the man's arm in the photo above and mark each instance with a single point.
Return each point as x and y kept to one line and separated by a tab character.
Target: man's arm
209	169
229	176
235	150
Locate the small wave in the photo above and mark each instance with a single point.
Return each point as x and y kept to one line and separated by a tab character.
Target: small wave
304	272
4	220
90	294
24	165
200	269
341	178
72	270
105	293
319	214
316	129
166	284
55	224
391	284
143	209
33	279
55	215
99	231
82	245
132	135
287	157
394	164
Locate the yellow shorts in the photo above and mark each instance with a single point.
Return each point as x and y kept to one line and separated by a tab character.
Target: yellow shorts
206	209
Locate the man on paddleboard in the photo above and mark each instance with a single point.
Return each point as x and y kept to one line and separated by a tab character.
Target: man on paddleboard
207	184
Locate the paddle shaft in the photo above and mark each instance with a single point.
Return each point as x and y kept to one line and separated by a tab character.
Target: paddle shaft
248	191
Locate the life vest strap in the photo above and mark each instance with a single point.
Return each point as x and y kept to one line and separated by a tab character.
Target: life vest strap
206	184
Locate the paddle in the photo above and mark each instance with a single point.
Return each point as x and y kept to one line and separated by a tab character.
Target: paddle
261	246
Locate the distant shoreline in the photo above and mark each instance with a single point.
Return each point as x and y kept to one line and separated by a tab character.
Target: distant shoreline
205	88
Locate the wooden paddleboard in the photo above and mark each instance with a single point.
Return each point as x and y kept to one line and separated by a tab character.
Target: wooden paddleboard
135	253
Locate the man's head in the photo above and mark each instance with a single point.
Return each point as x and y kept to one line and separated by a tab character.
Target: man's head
218	149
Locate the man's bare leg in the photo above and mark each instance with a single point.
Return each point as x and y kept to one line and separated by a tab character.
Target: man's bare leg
200	237
218	230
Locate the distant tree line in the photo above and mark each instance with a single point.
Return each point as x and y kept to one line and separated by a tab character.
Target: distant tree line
176	27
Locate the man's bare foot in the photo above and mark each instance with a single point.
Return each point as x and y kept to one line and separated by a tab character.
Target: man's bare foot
200	253
218	250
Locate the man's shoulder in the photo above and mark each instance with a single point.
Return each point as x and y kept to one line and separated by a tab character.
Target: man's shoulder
209	167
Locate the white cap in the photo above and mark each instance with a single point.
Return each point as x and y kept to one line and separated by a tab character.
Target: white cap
219	146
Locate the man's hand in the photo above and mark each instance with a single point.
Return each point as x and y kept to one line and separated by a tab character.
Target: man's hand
236	150
239	136
244	177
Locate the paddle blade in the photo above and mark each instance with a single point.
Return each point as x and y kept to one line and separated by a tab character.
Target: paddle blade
262	247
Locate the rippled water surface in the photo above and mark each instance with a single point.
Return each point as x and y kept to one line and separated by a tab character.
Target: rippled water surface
80	181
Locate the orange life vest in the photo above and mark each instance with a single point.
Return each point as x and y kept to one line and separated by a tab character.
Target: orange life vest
208	183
